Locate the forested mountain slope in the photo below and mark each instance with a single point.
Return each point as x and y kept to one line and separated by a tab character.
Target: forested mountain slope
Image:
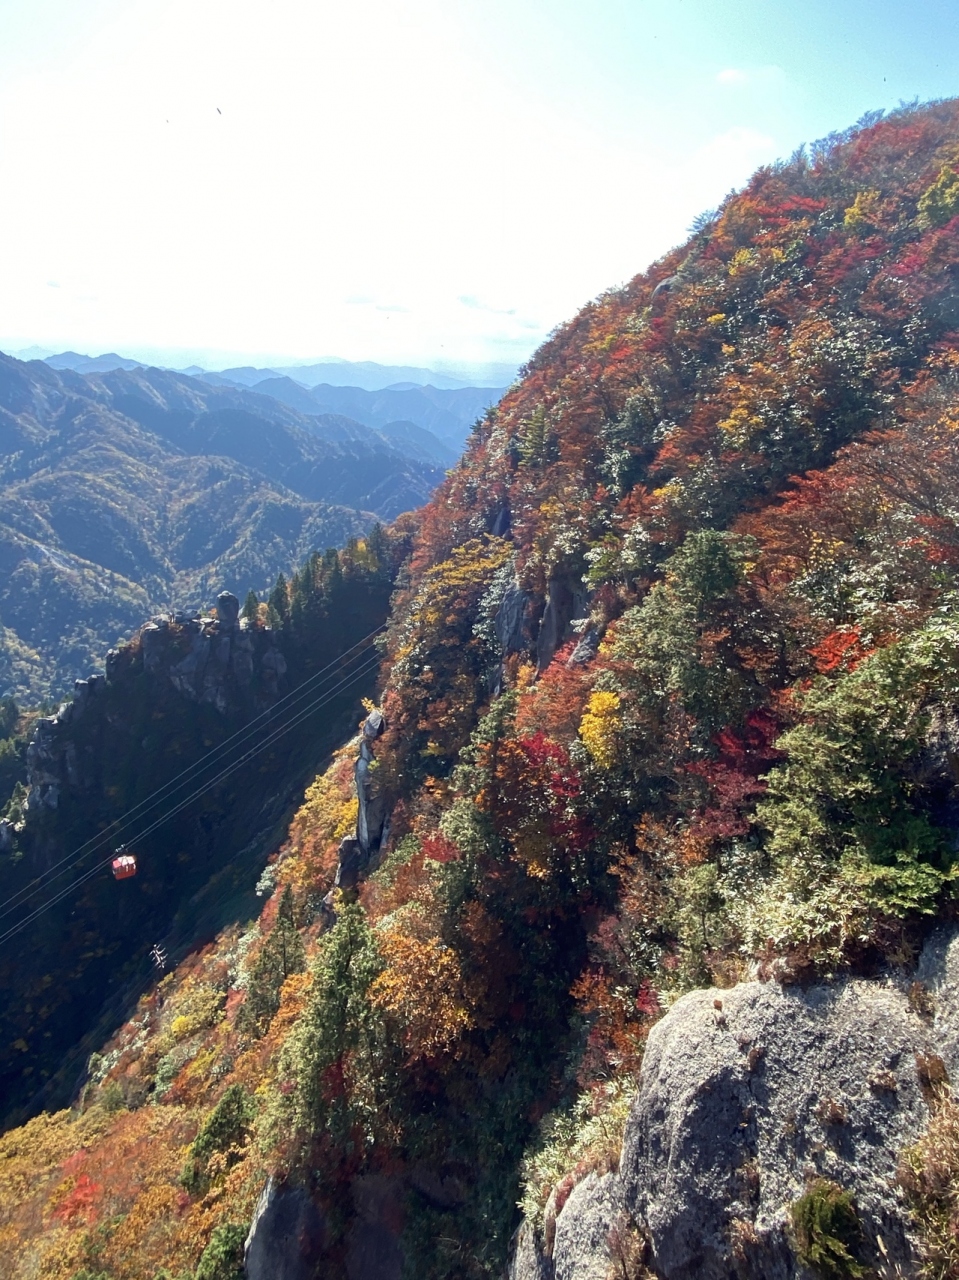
269	694
134	491
670	697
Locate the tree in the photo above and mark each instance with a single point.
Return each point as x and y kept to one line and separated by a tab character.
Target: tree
251	606
223	1257
220	1141
281	955
334	1063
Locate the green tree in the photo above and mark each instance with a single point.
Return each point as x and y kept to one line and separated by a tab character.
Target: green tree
282	954
336	1059
223	1257
224	1133
251	606
279	602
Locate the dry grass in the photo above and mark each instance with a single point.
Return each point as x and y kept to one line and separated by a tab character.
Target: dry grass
929	1174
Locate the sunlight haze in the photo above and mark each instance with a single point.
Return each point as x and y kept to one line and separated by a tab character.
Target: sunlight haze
433	182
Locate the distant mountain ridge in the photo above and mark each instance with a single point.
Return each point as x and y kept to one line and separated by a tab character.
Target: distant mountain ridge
448	414
132	491
373	394
367	374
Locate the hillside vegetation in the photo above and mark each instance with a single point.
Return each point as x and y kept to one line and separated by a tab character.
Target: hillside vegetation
171	696
670	686
137	491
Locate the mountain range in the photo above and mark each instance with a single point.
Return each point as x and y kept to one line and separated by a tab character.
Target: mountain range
373	394
132	491
367	374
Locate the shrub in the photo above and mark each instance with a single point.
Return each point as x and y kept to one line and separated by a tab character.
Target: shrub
826	1231
223	1257
587	1136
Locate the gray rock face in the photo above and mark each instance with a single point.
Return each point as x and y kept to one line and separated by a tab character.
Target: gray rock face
580	1246
510	620
227	610
586	648
216	661
373	806
286	1235
564	602
744	1095
349	863
527	1260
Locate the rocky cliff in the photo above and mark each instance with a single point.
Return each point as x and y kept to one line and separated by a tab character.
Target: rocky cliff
188	744
220	661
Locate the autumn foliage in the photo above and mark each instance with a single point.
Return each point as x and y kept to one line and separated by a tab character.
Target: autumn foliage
670	683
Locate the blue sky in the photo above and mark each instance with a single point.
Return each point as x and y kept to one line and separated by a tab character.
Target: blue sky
441	181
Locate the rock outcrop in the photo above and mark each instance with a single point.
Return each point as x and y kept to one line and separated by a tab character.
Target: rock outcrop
565	600
286	1235
357	853
744	1096
218	661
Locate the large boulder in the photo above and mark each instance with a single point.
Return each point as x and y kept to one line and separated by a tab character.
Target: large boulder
747	1094
581	1242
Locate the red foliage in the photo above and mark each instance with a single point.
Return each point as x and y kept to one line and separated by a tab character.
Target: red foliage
733	779
80	1204
841	650
437	848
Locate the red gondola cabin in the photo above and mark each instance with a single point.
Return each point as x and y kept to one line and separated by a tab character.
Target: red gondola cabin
124	865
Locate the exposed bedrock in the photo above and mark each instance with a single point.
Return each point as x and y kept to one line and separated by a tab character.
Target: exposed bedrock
286	1235
744	1096
218	661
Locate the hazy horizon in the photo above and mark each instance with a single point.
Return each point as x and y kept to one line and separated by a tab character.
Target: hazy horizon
490	373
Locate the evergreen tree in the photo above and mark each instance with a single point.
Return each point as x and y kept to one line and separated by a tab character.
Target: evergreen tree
282	955
279	602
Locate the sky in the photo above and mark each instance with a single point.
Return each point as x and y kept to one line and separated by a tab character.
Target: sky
438	182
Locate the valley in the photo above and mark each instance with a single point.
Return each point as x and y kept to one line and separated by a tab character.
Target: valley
132	492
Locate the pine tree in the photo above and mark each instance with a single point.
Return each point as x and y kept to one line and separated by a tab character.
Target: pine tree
251	606
279	602
282	955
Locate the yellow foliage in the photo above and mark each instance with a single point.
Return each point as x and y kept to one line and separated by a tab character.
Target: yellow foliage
717	318
327	814
199	1007
940	202
601	727
422	987
862	213
741	425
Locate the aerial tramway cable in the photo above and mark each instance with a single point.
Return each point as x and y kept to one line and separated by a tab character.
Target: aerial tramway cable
175	783
207	786
365	669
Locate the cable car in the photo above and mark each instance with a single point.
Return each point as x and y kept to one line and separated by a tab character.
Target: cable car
124	865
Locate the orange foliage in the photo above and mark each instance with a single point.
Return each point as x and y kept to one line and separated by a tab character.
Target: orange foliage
422	988
554	705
